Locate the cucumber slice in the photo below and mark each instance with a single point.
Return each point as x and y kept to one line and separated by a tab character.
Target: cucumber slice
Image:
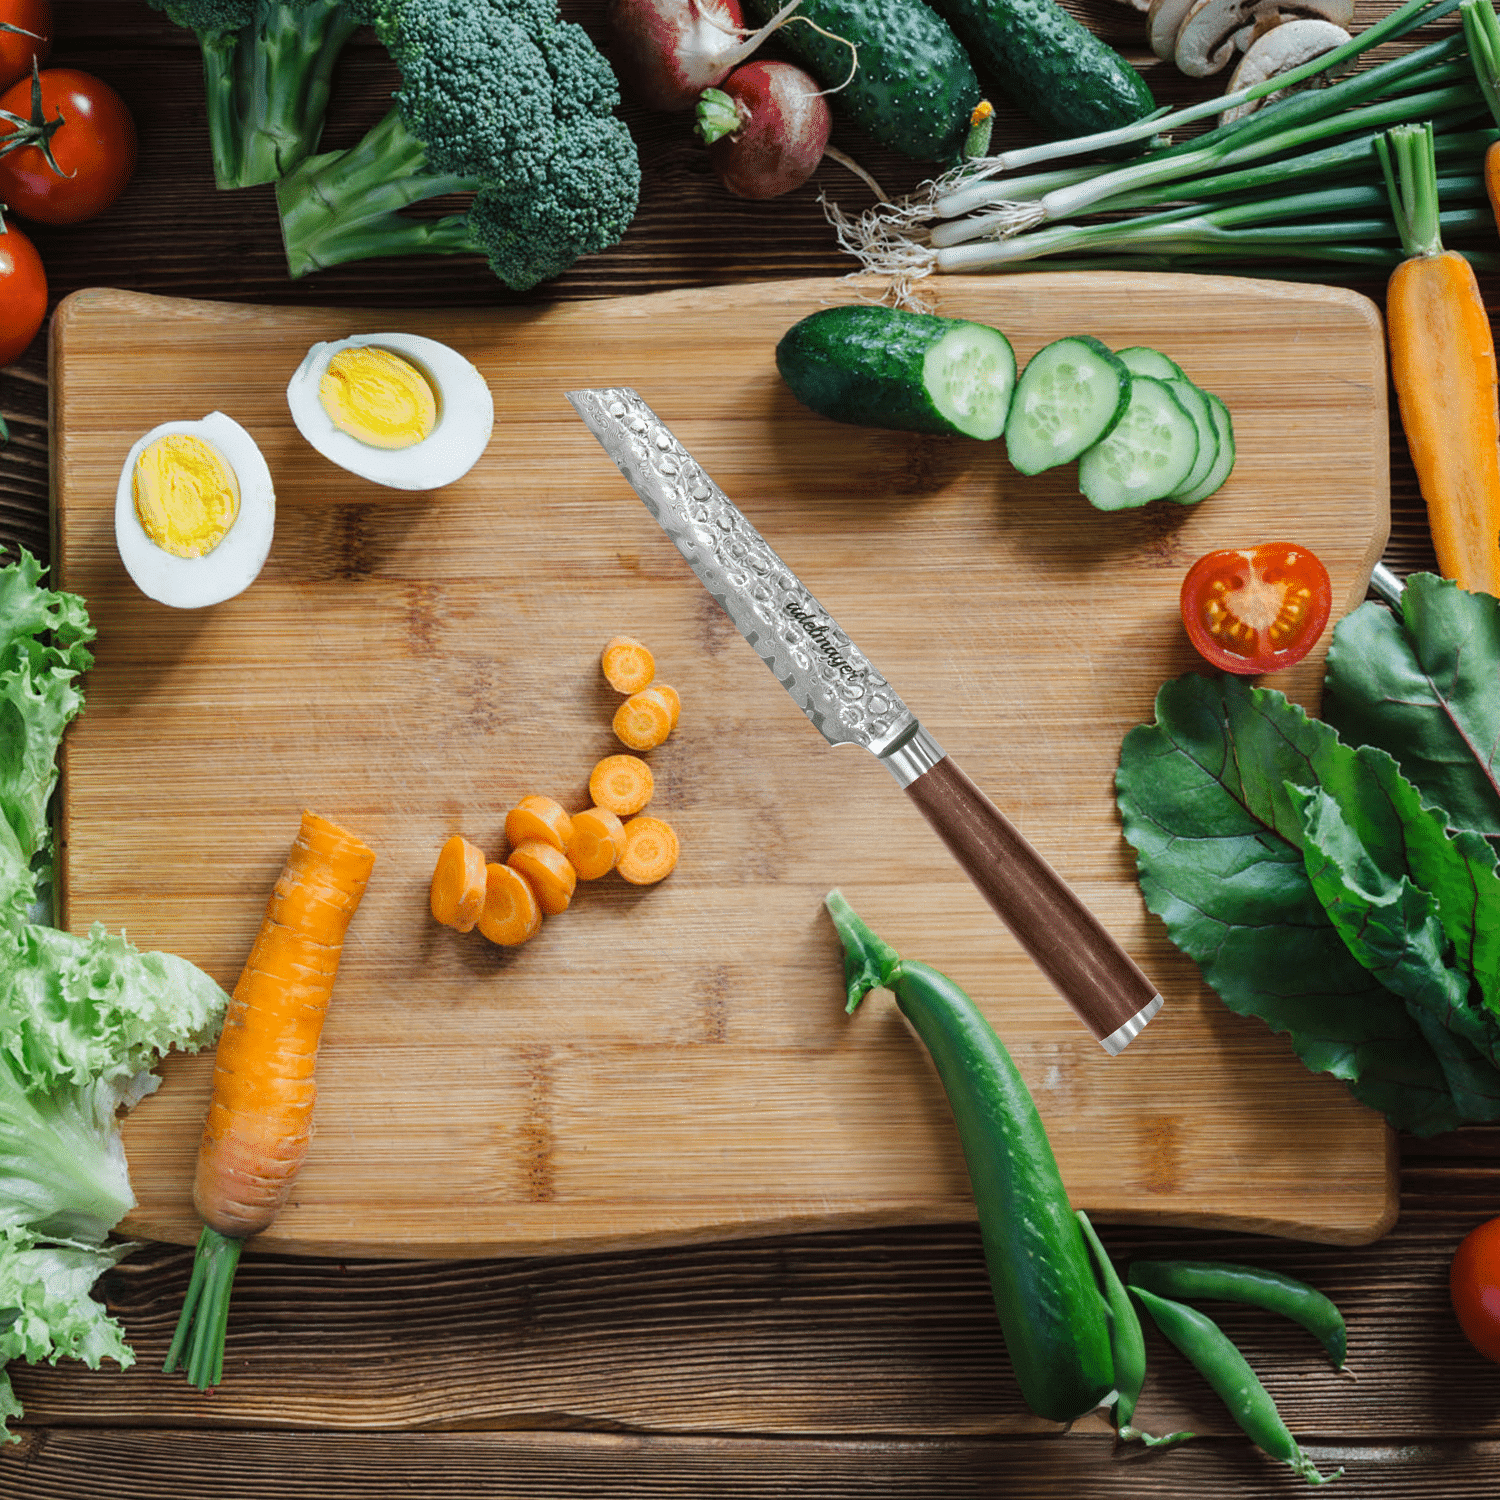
1151	450
915	372
1195	403
1071	393
1141	360
1224	459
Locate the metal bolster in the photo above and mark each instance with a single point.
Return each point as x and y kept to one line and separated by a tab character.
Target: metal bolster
1119	1039
915	752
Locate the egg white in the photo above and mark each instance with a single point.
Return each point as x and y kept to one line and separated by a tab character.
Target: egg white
232	566
465	415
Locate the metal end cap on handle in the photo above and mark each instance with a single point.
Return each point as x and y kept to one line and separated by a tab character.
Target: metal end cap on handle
1122	1036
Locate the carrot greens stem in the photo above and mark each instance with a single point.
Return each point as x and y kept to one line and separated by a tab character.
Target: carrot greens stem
1482	32
198	1341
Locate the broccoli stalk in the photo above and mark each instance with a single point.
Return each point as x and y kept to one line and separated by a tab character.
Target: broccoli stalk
267	69
499	99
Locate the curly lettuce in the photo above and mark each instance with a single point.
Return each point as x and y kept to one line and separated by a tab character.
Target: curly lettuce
83	1018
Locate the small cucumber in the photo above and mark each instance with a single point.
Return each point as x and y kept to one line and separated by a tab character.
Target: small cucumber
914	88
1049	64
884	367
1071	393
1150	452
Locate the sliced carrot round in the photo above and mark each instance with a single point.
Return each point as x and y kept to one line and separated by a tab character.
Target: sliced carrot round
621	783
551	876
651	850
512	914
673	700
597	843
628	665
643	720
541	818
458	884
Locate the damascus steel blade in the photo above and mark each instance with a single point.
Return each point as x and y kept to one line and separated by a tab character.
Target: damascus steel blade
826	674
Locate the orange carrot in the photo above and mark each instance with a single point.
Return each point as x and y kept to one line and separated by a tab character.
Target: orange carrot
598	842
621	783
628	665
651	851
259	1118
512	915
538	818
551	876
644	719
458	884
1443	368
1482	33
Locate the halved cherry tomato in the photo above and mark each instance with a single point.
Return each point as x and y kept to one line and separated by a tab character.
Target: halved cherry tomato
1474	1284
80	149
25	32
1256	610
23	293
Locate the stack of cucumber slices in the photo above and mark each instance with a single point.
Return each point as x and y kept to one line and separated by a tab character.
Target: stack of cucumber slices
1137	427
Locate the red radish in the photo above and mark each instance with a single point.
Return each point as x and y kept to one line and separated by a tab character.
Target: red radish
669	51
766	129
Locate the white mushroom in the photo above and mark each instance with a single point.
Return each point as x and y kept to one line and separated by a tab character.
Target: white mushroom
1278	51
1164	20
1206	39
1140	5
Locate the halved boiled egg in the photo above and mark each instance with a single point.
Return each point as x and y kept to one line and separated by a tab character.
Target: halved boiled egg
194	511
395	408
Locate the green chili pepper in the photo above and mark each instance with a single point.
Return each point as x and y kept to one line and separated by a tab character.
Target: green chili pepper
1127	1344
1211	1352
1222	1281
1052	1314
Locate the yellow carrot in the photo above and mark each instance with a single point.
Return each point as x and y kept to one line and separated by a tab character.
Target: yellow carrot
1443	368
259	1120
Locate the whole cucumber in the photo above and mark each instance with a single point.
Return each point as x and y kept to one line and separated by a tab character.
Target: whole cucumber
1052	1313
1049	64
914	88
913	372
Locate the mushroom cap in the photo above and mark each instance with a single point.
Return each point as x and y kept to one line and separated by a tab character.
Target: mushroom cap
1278	51
1164	20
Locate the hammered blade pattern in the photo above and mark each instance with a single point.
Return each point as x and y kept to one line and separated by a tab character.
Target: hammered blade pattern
827	675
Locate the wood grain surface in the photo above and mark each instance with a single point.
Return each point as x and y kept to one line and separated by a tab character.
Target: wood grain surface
855	1362
413	666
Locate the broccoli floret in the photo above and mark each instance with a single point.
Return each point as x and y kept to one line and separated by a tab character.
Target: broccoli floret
267	69
500	99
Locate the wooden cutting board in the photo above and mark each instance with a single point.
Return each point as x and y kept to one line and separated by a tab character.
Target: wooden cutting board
674	1063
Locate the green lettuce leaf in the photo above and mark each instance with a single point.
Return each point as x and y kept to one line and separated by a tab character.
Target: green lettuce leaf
1211	798
48	1285
43	649
1424	686
83	1019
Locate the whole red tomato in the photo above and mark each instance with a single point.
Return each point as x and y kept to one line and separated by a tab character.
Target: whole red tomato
82	124
23	293
25	32
1258	609
1474	1284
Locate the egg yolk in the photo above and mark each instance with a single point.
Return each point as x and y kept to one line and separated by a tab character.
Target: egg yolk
186	494
378	397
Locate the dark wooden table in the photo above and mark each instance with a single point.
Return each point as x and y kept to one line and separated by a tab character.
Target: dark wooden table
862	1363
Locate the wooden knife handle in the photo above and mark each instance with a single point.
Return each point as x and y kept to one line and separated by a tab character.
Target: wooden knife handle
1064	938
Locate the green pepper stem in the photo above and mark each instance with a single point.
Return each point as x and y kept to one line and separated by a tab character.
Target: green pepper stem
870	962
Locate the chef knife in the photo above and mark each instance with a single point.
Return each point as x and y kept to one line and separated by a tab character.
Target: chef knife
835	685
